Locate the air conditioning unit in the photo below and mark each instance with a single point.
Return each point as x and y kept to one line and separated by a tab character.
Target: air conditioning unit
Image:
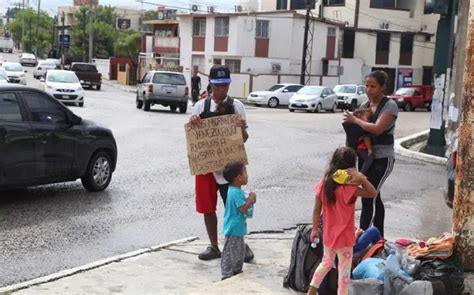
194	8
238	8
384	26
210	9
276	68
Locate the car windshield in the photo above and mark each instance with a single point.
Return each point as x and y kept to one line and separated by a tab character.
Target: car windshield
310	90
84	68
13	67
345	89
405	91
52	60
62	77
47	64
275	87
28	56
169	78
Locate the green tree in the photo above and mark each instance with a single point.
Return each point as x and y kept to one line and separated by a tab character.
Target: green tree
23	31
104	32
128	44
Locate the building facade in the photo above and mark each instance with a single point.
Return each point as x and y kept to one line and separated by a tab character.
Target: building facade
260	48
393	35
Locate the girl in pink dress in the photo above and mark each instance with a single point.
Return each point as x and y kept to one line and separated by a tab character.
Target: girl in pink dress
337	201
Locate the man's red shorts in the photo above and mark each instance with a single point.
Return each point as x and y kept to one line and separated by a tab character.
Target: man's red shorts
206	193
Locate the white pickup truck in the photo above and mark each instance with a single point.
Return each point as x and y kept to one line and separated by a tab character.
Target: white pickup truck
350	96
6	45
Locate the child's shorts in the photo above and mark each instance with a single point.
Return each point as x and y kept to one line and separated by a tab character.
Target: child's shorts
206	193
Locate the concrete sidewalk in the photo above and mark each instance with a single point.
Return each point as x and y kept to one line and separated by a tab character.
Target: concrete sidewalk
176	269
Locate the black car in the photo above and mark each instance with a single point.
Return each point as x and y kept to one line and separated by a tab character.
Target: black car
42	142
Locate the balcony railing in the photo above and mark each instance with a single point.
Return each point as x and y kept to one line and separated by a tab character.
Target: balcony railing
167	42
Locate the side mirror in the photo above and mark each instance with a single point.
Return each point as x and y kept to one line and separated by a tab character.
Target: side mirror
285	91
76	120
323	95
42	80
26	71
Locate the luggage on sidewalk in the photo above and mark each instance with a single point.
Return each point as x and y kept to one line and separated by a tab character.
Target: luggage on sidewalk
304	261
365	287
445	277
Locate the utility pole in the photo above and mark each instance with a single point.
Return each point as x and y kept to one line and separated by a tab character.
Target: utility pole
458	66
37	26
61	42
83	42
91	32
463	213
356	16
442	61
305	47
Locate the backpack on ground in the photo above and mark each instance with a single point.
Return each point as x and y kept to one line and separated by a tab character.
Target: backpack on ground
304	261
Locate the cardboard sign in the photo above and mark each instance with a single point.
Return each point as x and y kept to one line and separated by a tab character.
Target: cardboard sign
214	143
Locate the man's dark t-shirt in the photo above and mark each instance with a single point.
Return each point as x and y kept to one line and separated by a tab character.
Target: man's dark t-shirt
195	82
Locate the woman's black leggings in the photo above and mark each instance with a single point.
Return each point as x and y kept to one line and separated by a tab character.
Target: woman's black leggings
377	174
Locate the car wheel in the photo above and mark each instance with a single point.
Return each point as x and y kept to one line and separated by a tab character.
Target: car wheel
173	108
353	105
319	108
334	108
273	102
408	107
291	110
146	108
138	103
99	172
183	108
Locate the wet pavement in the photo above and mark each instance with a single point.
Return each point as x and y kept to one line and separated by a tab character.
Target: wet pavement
150	200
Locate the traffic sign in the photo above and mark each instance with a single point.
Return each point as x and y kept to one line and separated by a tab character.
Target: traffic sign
64	39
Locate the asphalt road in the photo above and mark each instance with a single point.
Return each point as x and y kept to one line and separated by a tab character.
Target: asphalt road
150	200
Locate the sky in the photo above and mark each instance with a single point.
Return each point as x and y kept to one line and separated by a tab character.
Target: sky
51	6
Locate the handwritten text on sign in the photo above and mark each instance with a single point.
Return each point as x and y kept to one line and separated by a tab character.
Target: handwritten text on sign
214	143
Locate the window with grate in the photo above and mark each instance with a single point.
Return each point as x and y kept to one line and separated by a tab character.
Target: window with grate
222	27
262	30
233	65
382	48
199	27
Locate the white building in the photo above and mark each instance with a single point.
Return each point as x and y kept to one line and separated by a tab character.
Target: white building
393	35
261	48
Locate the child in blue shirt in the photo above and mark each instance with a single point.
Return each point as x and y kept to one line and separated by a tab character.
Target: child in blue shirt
235	220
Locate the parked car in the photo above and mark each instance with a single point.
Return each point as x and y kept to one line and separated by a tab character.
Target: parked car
42	67
42	142
314	99
410	98
452	155
276	95
28	59
15	72
87	74
350	96
3	76
64	86
55	61
165	88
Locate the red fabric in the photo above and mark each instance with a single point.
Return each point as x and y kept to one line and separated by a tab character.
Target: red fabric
338	218
361	145
206	193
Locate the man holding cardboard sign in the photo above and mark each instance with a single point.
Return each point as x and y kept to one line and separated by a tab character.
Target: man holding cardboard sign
228	128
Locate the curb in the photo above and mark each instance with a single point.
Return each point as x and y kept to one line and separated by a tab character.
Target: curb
90	266
115	85
402	144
